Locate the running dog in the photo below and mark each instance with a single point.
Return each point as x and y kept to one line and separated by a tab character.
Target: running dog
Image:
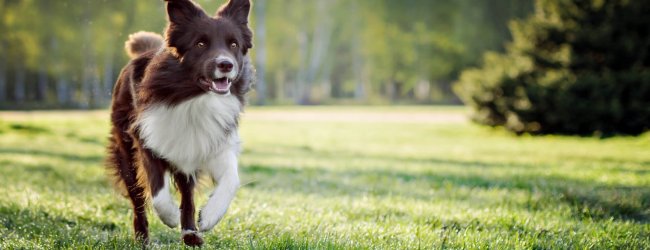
175	113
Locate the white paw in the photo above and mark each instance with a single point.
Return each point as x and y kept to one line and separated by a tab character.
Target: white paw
168	213
207	221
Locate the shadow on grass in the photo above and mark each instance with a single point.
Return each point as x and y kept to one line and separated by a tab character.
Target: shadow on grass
28	128
90	159
37	225
587	200
301	151
86	139
21	225
47	176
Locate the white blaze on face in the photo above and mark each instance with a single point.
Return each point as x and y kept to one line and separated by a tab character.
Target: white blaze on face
230	75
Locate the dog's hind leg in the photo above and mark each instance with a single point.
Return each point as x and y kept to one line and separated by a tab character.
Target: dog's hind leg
186	186
224	172
121	154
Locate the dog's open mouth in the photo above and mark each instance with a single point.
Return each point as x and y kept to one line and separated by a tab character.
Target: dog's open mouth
220	85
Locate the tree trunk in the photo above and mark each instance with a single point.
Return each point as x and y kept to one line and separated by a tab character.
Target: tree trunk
280	81
19	84
302	95
392	90
357	63
44	59
90	81
63	91
312	59
326	82
108	77
319	44
3	80
108	80
260	51
41	86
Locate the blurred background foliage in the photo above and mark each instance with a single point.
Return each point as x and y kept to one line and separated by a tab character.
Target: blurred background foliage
574	67
532	66
68	53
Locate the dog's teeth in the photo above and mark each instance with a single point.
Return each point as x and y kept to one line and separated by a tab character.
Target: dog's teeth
214	85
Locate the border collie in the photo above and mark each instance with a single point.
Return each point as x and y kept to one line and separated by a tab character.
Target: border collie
175	113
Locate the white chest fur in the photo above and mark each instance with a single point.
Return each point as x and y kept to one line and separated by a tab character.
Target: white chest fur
192	132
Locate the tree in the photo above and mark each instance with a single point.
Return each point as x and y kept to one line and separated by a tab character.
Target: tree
575	67
260	50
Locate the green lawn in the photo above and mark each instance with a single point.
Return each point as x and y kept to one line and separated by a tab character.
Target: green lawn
343	177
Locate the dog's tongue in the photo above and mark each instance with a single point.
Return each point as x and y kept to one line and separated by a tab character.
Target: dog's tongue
221	84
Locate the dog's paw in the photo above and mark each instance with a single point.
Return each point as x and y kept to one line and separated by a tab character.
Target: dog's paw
207	221
192	238
168	214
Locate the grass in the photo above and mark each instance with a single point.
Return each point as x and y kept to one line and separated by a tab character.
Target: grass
321	177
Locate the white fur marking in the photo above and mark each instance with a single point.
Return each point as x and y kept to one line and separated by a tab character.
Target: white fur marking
232	74
223	170
191	133
186	232
165	206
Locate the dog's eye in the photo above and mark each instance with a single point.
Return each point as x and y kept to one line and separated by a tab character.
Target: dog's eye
233	45
200	44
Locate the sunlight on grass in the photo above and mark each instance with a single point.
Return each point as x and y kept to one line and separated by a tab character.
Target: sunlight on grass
397	177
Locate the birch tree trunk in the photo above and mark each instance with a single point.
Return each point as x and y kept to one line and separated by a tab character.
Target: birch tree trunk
357	63
260	51
320	41
302	94
319	45
90	80
107	79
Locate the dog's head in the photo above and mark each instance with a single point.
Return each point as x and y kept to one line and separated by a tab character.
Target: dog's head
210	48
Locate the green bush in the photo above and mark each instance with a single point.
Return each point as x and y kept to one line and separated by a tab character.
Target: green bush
574	67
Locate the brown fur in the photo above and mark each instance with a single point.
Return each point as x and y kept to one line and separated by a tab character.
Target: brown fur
167	72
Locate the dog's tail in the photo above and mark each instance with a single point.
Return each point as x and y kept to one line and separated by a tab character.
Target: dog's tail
141	42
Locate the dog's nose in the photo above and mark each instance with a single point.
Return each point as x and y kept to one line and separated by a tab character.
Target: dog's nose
224	66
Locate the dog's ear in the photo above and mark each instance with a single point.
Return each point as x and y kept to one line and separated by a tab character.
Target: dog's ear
183	11
237	10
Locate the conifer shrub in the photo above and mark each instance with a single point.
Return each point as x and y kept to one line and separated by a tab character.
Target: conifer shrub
574	67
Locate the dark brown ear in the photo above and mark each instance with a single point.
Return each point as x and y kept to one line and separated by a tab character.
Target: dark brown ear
183	11
236	10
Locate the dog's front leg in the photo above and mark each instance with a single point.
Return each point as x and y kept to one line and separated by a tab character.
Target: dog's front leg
164	205
158	177
223	170
189	233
